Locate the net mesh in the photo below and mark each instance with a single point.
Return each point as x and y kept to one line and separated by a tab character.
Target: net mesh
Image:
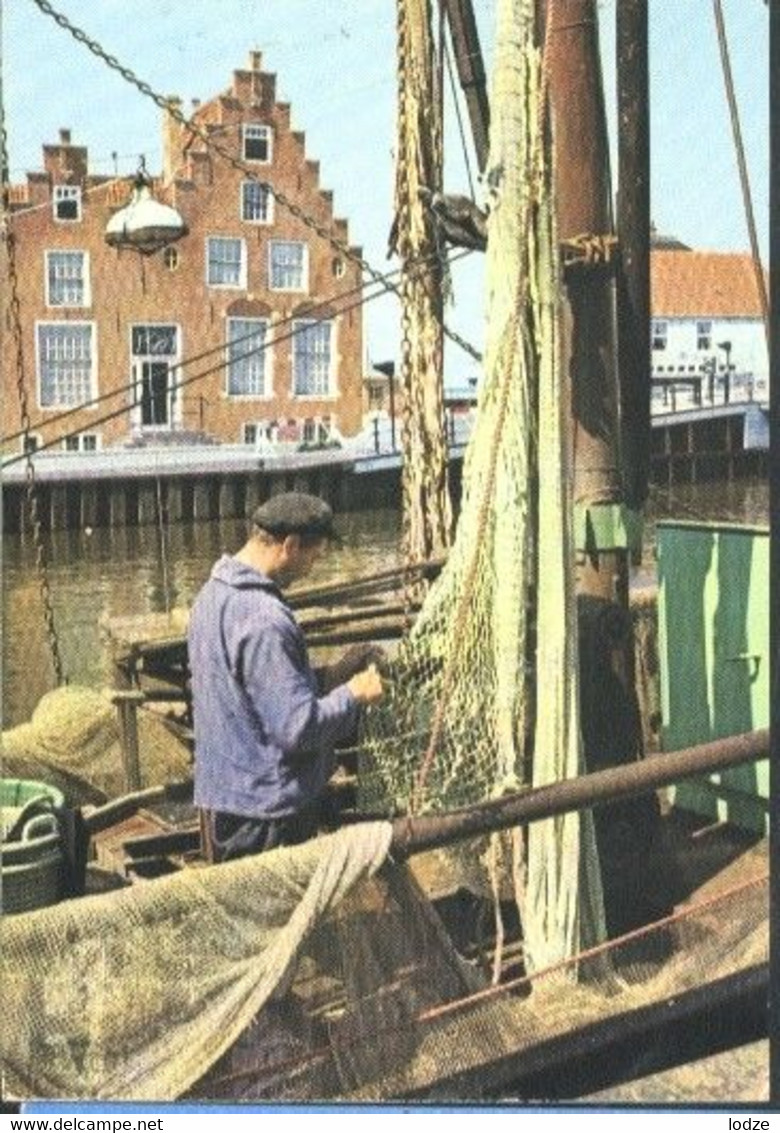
73	741
480	701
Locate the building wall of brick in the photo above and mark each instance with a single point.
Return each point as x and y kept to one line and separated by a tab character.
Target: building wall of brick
127	288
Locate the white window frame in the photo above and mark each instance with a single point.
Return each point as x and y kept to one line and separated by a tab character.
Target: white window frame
704	334
81	443
241	284
660	334
93	363
268	199
63	194
272	246
265	355
254	130
86	298
174	395
298	327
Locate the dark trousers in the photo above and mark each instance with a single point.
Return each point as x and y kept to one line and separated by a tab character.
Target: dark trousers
228	836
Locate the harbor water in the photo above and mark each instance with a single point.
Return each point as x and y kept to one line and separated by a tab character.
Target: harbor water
105	573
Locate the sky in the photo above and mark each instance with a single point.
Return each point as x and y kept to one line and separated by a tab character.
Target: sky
335	63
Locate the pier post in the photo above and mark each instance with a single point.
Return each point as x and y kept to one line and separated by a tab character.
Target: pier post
254	493
175	501
89	505
147	502
59	507
117	505
228	498
202	496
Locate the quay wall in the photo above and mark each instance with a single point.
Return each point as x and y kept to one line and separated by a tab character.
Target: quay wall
171	496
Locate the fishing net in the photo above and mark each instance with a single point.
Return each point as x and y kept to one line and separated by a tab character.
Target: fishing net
322	971
73	741
483	696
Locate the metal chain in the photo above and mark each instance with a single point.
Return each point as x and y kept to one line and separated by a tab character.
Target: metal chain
279	196
31	494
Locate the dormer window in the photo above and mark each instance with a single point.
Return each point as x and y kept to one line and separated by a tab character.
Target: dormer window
257	142
66	203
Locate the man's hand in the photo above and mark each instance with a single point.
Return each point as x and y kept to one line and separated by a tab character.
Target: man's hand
366	687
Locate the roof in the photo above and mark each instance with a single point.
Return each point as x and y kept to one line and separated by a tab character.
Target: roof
688	284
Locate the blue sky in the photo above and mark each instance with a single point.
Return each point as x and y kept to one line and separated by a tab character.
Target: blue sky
335	62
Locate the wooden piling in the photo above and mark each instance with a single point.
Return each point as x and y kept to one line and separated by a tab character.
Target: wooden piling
88	505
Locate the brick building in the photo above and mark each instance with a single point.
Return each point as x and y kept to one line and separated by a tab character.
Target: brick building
248	298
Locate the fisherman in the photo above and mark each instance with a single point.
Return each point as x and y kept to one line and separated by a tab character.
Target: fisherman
265	726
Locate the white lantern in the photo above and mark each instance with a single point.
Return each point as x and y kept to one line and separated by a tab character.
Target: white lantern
144	224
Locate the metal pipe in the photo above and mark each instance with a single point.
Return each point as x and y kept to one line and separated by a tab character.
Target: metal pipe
414	835
633	231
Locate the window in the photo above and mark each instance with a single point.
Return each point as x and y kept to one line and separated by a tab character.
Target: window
660	334
288	265
30	442
704	335
171	258
309	431
226	261
66	363
257	202
82	442
246	357
154	349
257	142
67	279
250	433
312	361
66	202
154	341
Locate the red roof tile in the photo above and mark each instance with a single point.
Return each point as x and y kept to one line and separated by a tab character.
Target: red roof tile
704	284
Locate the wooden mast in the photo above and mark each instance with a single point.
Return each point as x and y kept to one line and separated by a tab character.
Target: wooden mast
604	526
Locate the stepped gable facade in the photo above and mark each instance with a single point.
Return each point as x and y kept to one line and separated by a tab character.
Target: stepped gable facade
235	333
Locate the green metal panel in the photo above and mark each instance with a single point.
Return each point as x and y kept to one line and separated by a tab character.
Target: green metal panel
713	613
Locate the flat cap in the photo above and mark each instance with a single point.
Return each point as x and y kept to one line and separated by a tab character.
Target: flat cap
295	513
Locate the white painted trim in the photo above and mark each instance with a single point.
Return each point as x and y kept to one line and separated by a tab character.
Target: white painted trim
86	275
268	355
269	134
93	376
304	288
260	223
57	199
333	393
241	285
176	406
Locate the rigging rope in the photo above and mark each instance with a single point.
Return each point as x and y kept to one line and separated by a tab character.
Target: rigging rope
427	511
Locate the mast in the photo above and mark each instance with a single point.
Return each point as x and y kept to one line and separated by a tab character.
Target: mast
605	527
633	228
471	72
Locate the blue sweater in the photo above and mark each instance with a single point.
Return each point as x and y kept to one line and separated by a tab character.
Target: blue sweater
264	739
